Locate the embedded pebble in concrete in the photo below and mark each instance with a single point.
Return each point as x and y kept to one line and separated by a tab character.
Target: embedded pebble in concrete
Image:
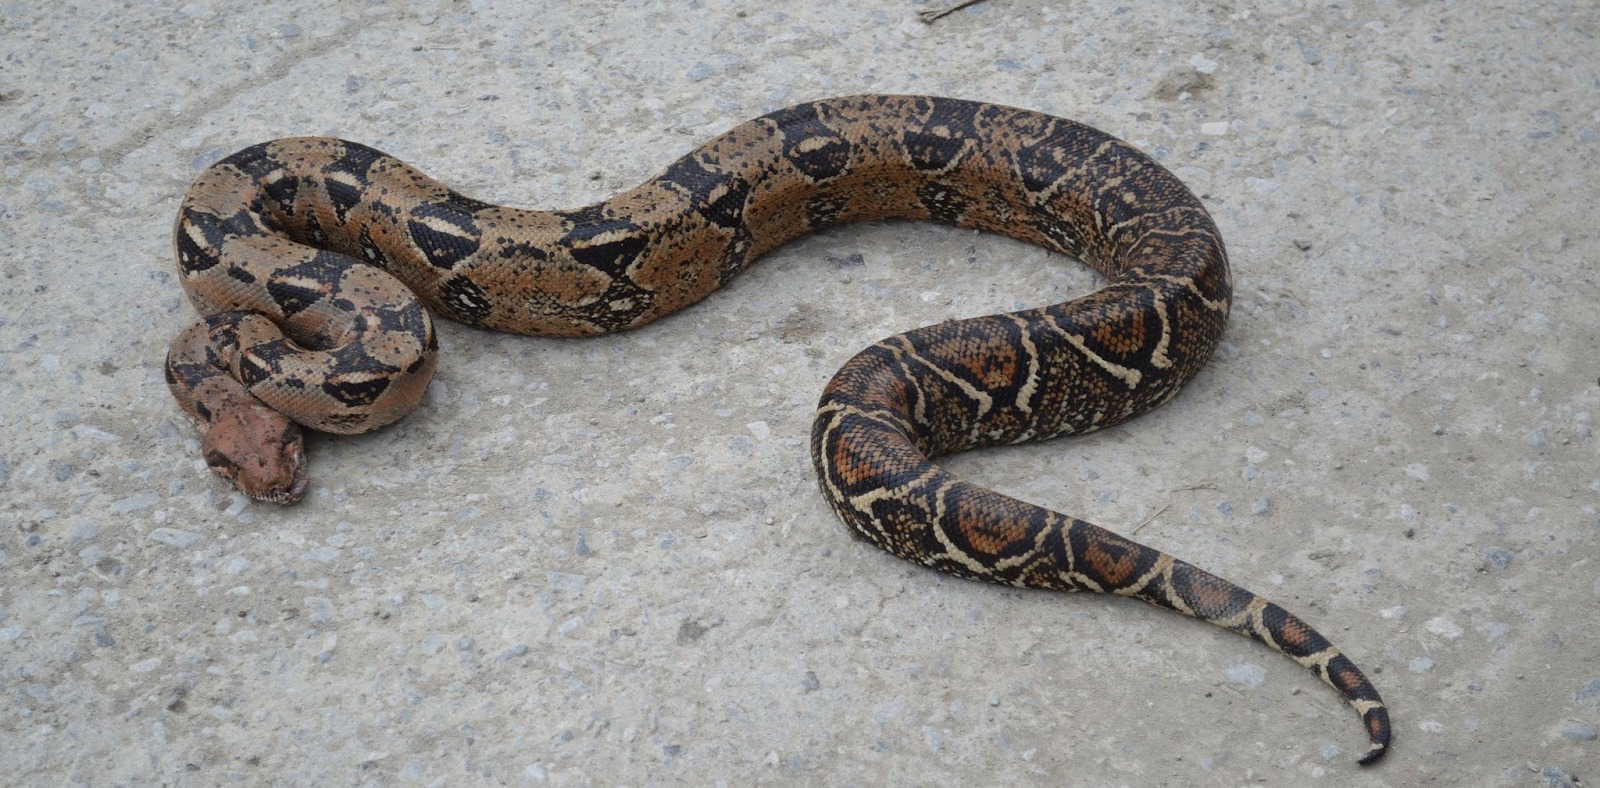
1248	674
1579	733
605	561
173	537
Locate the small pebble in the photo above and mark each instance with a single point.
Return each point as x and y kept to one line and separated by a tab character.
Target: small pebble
135	503
1444	627
1249	674
700	71
1580	733
1556	777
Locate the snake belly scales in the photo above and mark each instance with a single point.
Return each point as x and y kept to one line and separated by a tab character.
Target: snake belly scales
312	259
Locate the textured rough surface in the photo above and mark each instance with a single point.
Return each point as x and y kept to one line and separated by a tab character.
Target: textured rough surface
605	560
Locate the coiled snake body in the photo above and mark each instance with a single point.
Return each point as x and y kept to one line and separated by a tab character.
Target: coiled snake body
312	259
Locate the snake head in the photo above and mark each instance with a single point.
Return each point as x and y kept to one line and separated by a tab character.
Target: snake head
259	450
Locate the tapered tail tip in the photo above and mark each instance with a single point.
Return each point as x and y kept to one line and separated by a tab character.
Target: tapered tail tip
1377	721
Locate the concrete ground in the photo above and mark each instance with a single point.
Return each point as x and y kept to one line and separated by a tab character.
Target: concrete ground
605	562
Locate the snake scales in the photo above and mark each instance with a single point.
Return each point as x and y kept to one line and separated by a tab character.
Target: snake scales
270	242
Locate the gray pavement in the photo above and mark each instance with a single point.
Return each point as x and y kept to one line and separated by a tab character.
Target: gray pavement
605	562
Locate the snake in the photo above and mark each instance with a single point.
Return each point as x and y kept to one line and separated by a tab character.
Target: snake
317	263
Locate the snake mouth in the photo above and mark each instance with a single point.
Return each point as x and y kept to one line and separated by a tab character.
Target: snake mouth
292	495
299	481
287	495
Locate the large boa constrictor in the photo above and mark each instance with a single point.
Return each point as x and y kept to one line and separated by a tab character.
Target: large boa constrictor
312	260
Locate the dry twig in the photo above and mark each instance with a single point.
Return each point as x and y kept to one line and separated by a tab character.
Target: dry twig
932	15
1149	520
